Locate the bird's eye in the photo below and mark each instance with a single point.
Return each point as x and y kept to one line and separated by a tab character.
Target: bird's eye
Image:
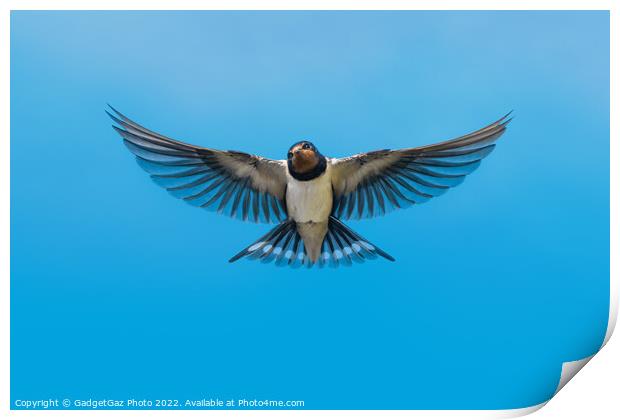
289	154
305	146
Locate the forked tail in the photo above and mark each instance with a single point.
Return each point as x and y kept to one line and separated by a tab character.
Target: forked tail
284	246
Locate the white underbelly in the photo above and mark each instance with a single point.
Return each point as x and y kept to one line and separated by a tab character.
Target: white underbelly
309	201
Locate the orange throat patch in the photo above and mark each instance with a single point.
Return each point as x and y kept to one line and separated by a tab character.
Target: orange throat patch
304	160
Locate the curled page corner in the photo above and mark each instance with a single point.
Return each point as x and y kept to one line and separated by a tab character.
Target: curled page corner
570	369
520	412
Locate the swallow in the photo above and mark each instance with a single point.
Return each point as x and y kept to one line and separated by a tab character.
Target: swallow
308	195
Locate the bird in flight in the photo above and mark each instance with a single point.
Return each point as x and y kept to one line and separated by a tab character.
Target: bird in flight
308	194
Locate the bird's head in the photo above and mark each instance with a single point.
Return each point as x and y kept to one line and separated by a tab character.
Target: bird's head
305	162
303	157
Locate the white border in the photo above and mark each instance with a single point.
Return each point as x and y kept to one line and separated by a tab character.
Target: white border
569	369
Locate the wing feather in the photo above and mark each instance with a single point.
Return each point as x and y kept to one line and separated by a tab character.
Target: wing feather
229	182
370	184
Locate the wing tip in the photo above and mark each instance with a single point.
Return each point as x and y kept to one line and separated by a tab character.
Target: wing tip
116	111
505	120
113	117
122	132
118	121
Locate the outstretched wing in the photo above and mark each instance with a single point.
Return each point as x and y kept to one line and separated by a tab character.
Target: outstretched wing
240	185
371	184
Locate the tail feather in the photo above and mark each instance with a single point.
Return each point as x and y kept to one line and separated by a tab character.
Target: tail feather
265	244
351	247
284	246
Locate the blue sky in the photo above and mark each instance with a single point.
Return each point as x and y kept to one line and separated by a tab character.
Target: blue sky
119	290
